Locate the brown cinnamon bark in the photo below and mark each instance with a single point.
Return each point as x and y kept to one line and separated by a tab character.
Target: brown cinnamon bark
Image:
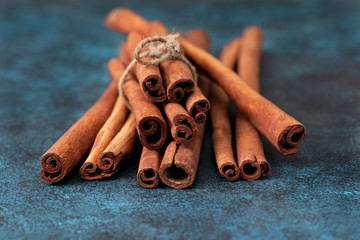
149	77
121	145
124	54
196	103
125	20
251	158
76	142
89	170
178	79
148	173
283	131
156	28
180	162
220	120
182	126
150	124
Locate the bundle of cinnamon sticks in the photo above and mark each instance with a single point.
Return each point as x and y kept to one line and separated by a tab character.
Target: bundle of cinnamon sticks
165	106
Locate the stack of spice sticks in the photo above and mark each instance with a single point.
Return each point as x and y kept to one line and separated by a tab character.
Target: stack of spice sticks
166	108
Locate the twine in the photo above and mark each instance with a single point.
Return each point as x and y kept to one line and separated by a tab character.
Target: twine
160	48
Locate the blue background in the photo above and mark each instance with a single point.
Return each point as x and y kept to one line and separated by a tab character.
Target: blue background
53	67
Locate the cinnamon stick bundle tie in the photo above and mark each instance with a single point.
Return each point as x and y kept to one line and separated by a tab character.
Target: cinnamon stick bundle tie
160	48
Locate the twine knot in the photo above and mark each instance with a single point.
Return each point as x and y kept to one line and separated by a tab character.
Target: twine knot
159	49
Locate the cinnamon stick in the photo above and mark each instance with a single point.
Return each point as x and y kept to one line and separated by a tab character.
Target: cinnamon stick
178	79
220	119
196	103
76	142
283	131
149	77
89	170
120	147
250	152
148	173
182	126
180	162
150	124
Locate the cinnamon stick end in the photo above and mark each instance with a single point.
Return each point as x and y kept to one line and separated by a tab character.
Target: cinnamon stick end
290	137
230	171
265	166
52	168
152	132
177	91
148	178
153	88
106	161
250	169
175	176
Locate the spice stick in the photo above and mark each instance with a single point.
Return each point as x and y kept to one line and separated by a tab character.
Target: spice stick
125	20
76	142
283	131
124	54
150	124
196	103
120	147
180	162
89	170
251	158
149	77
148	173
156	28
182	126
178	79
220	120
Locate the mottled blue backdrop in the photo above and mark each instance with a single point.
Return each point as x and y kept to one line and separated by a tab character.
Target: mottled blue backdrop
53	67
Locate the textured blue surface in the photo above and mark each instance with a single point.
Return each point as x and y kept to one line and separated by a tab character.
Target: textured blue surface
53	66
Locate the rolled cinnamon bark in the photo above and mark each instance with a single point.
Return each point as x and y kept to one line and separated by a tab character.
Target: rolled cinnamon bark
156	28
220	119
150	124
182	126
149	77
250	152
180	162
89	170
120	147
76	142
283	131
125	20
148	173
196	103
124	54
178	79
